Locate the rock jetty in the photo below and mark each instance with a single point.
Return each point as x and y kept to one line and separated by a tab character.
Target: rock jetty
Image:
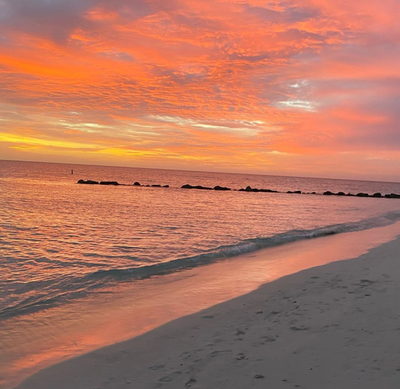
116	183
246	189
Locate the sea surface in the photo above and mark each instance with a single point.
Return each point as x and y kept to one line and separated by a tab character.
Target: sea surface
60	241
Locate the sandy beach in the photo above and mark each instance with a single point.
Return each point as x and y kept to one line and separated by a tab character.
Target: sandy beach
332	326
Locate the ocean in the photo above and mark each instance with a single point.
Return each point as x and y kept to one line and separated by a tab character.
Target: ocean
63	242
60	241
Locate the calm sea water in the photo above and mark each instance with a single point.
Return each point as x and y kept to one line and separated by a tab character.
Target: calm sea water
60	240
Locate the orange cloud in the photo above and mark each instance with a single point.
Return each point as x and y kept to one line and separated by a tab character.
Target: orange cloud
247	86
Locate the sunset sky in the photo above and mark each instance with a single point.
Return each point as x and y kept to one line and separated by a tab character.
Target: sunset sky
296	87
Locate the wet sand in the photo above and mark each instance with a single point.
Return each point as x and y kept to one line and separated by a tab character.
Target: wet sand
331	326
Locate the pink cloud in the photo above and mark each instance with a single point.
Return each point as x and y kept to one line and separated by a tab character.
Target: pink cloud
249	79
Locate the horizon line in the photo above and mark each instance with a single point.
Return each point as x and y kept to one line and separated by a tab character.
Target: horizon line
201	171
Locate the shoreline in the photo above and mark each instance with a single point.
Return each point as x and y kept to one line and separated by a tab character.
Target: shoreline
320	327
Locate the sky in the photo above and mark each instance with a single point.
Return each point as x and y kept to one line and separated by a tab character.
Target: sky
296	87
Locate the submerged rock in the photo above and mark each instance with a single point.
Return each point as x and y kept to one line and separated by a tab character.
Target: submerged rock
392	196
328	193
250	189
377	195
88	182
187	186
221	188
362	194
137	184
109	183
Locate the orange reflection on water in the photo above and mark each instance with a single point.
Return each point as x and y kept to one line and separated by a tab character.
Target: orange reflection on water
51	336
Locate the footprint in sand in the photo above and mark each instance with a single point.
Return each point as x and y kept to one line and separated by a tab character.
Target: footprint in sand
299	328
269	338
218	352
190	382
156	367
170	377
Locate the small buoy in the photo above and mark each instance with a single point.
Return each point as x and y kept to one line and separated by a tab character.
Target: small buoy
72	171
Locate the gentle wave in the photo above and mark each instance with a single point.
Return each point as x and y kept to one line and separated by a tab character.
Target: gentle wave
246	246
80	287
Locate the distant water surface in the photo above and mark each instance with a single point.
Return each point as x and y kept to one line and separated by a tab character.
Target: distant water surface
60	240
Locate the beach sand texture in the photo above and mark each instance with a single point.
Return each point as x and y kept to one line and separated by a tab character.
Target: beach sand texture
333	326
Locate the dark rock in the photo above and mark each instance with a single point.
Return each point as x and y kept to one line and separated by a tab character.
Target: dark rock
289	191
328	193
88	182
341	194
377	195
156	186
313	192
136	184
109	183
350	194
297	192
221	188
268	191
166	186
392	196
248	189
362	195
187	186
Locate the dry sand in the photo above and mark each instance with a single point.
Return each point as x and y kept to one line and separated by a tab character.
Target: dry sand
334	326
